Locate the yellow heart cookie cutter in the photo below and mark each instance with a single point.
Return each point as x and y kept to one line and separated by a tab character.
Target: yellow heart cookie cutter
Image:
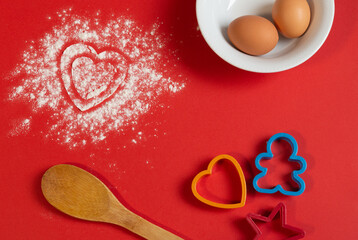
208	171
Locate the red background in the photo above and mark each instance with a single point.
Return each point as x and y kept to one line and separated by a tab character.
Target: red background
221	110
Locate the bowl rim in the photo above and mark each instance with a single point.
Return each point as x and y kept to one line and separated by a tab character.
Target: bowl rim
259	68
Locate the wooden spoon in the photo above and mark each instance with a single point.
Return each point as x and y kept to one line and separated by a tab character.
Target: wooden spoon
78	193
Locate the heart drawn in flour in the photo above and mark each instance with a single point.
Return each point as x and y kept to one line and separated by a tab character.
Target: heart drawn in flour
90	77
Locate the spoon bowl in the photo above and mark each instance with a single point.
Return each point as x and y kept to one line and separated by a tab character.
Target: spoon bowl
79	194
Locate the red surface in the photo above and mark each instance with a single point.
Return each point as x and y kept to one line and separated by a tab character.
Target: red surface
221	110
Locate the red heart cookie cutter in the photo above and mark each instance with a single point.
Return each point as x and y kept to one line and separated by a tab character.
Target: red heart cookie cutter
208	171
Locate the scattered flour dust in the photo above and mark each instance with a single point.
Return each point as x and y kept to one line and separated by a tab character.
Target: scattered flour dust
94	76
21	126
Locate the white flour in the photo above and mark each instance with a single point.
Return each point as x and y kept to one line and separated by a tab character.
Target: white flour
94	77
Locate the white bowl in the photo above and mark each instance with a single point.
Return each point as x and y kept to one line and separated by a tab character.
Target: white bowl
214	17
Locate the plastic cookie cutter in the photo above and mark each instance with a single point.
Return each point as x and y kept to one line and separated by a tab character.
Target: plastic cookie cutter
296	233
208	171
293	157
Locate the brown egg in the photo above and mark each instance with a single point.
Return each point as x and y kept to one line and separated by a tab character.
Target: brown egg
291	17
253	35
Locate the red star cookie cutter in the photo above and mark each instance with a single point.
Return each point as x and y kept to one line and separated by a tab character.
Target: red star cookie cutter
297	233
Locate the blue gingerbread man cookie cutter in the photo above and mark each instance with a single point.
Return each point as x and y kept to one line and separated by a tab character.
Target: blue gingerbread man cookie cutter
293	157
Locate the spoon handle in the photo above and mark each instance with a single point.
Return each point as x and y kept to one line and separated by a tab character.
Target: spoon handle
142	227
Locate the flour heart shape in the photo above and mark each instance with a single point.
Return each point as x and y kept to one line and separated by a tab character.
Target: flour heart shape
208	171
90	77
